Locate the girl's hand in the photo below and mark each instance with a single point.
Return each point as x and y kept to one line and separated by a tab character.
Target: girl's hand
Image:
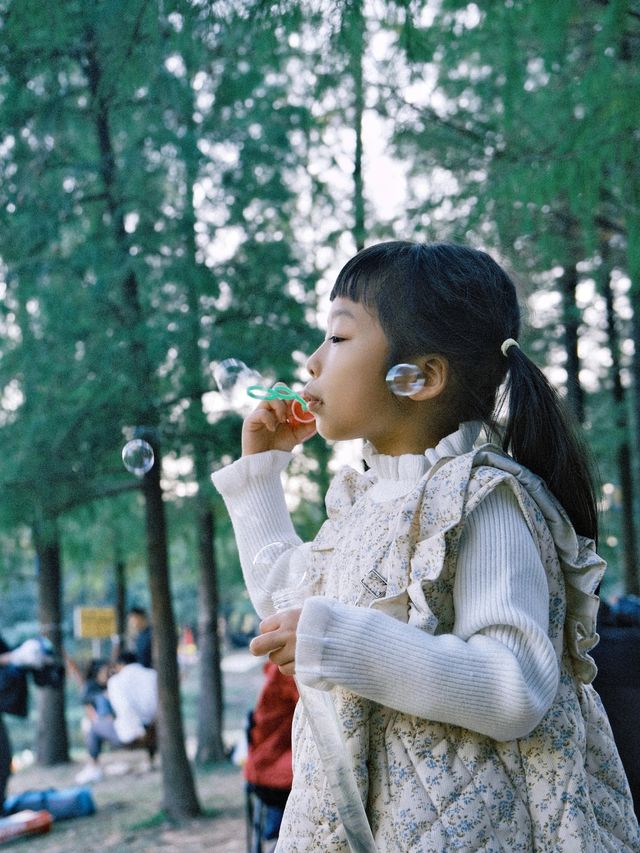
278	639
271	426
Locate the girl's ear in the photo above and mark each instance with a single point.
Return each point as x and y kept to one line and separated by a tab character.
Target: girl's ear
435	369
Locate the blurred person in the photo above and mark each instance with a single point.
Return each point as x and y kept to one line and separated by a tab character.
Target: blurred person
140	634
13	700
268	767
98	713
132	697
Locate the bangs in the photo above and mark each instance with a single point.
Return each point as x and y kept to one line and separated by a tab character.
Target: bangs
358	281
374	272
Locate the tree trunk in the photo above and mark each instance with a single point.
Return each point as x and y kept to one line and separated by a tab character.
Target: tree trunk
356	39
52	743
210	700
178	789
625	472
635	370
121	602
571	320
210	745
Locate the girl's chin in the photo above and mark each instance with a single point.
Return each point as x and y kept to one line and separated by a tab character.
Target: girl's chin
333	433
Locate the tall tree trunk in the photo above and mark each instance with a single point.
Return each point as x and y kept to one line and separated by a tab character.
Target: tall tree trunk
635	371
178	790
625	471
52	743
179	794
210	746
571	320
121	601
210	700
356	43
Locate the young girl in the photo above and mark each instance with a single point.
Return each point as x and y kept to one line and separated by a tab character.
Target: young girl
451	601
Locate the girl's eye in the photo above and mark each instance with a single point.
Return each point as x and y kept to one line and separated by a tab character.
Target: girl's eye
334	339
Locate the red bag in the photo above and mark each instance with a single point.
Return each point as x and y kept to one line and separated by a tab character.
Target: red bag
26	822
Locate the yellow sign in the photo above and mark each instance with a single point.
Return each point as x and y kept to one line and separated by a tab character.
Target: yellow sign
94	622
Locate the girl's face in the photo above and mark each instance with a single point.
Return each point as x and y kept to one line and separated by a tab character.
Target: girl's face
347	392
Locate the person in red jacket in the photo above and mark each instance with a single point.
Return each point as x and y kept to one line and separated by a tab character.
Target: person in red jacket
268	769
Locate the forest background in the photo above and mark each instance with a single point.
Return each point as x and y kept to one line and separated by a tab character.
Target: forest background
179	182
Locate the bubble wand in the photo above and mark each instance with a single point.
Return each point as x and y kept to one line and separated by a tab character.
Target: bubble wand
299	407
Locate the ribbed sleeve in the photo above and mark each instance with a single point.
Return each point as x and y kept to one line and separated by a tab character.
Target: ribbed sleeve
496	674
254	497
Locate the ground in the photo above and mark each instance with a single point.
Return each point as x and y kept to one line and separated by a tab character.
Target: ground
128	798
127	817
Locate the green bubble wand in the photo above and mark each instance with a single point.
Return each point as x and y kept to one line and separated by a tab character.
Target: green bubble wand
299	407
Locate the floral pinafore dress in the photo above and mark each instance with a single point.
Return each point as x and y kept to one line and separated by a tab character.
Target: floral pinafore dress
433	787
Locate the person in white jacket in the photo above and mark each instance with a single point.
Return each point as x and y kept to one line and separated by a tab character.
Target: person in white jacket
132	691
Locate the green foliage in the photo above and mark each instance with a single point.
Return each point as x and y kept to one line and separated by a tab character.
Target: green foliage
169	171
118	117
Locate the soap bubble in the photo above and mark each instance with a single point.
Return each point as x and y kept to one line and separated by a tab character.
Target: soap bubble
137	456
270	554
291	596
265	560
405	379
233	377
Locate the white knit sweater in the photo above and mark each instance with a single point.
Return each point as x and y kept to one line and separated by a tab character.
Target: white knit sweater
496	673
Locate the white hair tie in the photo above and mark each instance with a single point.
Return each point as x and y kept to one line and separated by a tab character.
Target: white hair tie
506	345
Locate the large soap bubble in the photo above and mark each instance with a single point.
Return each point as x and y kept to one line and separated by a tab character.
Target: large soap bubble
265	560
233	377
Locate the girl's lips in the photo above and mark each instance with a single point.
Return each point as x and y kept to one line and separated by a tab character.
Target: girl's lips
312	402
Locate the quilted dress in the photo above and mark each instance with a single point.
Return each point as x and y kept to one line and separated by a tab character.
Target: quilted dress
435	787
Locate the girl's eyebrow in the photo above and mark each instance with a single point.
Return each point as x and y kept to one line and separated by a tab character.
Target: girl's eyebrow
342	312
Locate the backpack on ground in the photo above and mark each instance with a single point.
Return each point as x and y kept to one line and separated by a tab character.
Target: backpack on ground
62	804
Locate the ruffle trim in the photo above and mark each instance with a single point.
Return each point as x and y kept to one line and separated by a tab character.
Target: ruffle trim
581	566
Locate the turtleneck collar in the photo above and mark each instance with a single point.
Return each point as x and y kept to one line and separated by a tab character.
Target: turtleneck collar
397	475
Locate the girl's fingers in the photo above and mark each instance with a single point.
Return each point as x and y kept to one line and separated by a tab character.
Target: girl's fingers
271	426
266	643
277	635
263	418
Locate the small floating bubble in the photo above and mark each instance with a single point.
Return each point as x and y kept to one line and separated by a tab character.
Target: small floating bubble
267	556
137	456
405	379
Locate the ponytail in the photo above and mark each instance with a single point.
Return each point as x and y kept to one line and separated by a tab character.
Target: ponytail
541	434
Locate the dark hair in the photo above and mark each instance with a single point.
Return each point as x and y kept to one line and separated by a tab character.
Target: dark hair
137	611
93	667
126	658
458	302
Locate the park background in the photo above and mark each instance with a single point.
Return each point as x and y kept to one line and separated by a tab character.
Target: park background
179	182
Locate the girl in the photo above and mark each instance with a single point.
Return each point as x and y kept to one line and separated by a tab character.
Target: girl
451	601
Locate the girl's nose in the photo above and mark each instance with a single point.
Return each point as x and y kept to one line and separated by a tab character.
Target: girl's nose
313	364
